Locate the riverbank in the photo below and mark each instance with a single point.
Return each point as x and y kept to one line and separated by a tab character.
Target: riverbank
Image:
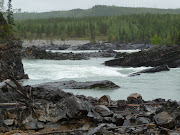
83	45
55	111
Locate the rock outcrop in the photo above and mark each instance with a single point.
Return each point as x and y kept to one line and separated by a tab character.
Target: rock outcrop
152	70
156	56
10	52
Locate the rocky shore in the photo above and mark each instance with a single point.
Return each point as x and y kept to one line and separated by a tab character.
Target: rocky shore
156	56
40	53
44	109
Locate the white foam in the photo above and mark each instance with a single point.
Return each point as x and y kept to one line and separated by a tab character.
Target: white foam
89	51
55	71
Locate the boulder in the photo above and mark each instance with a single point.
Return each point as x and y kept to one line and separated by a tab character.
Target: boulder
9	122
118	119
163	119
135	99
105	98
152	70
142	120
103	110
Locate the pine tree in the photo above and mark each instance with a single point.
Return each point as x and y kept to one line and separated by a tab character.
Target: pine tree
92	32
10	18
177	39
168	40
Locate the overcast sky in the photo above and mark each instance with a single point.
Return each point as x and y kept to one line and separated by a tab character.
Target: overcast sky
52	5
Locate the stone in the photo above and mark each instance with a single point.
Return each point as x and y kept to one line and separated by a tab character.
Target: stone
26	76
126	123
31	126
118	119
131	118
93	131
9	122
142	120
103	110
122	103
165	120
96	116
105	98
135	99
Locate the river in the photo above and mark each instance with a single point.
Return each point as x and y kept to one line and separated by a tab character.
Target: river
150	86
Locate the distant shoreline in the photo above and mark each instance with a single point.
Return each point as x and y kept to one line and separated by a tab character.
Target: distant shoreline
27	43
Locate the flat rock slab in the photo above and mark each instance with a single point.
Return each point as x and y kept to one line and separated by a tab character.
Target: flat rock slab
152	70
81	85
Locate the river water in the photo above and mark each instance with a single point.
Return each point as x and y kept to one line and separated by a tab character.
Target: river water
150	86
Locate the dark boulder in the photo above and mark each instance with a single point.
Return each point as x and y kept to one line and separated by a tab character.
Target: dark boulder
163	119
152	70
135	99
118	119
142	120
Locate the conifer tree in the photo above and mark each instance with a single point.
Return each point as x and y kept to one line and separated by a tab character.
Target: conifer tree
10	18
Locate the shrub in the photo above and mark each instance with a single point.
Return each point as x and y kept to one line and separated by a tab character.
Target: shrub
156	40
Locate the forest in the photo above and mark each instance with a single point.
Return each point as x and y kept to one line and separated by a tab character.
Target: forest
146	28
98	10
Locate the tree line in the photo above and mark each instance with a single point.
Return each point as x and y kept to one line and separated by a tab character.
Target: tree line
157	28
98	10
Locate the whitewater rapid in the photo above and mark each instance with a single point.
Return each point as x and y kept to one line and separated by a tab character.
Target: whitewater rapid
150	86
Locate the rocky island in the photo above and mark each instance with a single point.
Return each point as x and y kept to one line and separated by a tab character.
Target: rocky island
159	55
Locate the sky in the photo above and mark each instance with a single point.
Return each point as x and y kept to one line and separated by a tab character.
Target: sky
54	5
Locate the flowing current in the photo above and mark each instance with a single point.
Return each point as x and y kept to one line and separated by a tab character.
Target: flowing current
150	86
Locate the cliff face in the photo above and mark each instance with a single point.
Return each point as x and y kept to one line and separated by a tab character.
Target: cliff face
10	52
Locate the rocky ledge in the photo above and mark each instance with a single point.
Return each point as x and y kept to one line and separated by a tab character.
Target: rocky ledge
80	85
40	53
49	110
156	56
